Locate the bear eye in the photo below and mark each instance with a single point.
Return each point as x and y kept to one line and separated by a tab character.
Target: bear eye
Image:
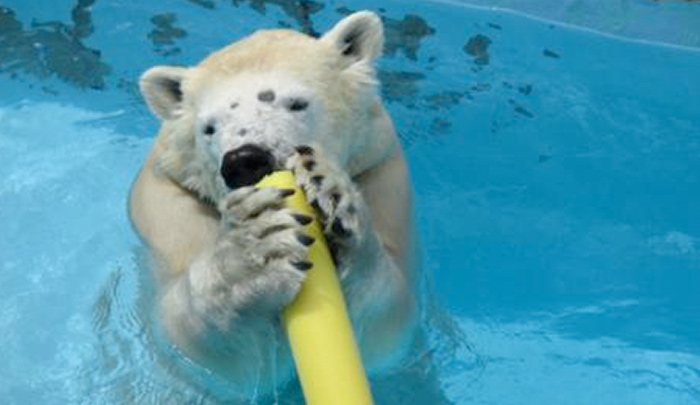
209	129
298	104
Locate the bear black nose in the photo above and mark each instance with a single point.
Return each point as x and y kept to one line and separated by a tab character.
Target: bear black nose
246	165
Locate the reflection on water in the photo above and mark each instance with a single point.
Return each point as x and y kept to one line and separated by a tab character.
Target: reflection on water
131	363
519	357
49	48
503	362
556	184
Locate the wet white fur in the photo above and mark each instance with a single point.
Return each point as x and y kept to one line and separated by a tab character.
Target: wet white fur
220	293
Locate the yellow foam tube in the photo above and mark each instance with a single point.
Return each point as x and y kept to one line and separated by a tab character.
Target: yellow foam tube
320	334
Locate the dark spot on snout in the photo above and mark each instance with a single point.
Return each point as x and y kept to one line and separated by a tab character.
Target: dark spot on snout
246	165
266	96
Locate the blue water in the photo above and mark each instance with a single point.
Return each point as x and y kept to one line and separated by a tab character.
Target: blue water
557	172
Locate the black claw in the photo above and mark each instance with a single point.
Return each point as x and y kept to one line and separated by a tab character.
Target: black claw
334	251
305	240
310	165
286	192
321	214
336	197
305	150
303	265
302	219
351	209
338	228
317	180
315	206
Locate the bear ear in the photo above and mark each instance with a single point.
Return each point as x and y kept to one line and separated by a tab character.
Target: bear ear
161	86
358	37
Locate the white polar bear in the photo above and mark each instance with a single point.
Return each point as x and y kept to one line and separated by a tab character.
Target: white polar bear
230	256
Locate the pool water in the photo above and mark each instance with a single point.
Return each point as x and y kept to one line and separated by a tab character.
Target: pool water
557	172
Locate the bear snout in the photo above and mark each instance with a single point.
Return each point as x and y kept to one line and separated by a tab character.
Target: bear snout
246	165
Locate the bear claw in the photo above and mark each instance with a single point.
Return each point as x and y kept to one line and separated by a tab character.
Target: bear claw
339	229
305	240
302	219
317	180
310	165
332	194
303	265
305	150
286	192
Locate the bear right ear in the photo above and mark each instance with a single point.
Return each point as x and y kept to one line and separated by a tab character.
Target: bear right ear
161	86
358	37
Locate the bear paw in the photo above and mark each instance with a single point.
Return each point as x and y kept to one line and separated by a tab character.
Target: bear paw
331	192
269	239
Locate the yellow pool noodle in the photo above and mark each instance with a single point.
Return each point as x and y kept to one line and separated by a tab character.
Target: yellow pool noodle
320	334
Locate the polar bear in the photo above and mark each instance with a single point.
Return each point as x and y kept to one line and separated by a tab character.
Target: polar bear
230	256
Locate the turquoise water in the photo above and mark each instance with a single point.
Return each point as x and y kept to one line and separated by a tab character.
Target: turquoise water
557	176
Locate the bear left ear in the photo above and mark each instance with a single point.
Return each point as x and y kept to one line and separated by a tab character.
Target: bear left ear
358	37
161	86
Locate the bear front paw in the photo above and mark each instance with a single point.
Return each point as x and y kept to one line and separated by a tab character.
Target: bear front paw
333	195
269	239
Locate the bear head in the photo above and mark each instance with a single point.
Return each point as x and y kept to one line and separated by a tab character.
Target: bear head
242	111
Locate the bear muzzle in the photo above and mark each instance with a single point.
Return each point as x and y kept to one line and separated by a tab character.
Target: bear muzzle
246	165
